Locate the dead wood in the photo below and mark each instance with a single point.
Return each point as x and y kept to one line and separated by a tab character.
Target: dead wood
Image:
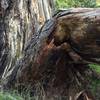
58	55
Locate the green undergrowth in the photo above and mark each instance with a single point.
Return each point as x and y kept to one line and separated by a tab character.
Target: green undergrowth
76	3
98	2
95	67
10	96
16	96
95	83
95	88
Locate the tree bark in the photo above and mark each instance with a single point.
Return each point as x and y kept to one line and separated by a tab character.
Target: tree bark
18	21
58	55
4	49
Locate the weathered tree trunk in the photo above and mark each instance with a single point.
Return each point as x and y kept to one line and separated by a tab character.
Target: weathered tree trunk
19	19
58	54
4	49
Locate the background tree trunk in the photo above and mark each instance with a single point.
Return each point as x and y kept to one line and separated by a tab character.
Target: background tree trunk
19	20
58	54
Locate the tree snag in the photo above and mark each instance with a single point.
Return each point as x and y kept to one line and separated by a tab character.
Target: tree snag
58	54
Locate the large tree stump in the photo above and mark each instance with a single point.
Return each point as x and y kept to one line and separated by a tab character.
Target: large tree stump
58	55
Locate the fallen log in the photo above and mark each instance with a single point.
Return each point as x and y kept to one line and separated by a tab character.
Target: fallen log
58	55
